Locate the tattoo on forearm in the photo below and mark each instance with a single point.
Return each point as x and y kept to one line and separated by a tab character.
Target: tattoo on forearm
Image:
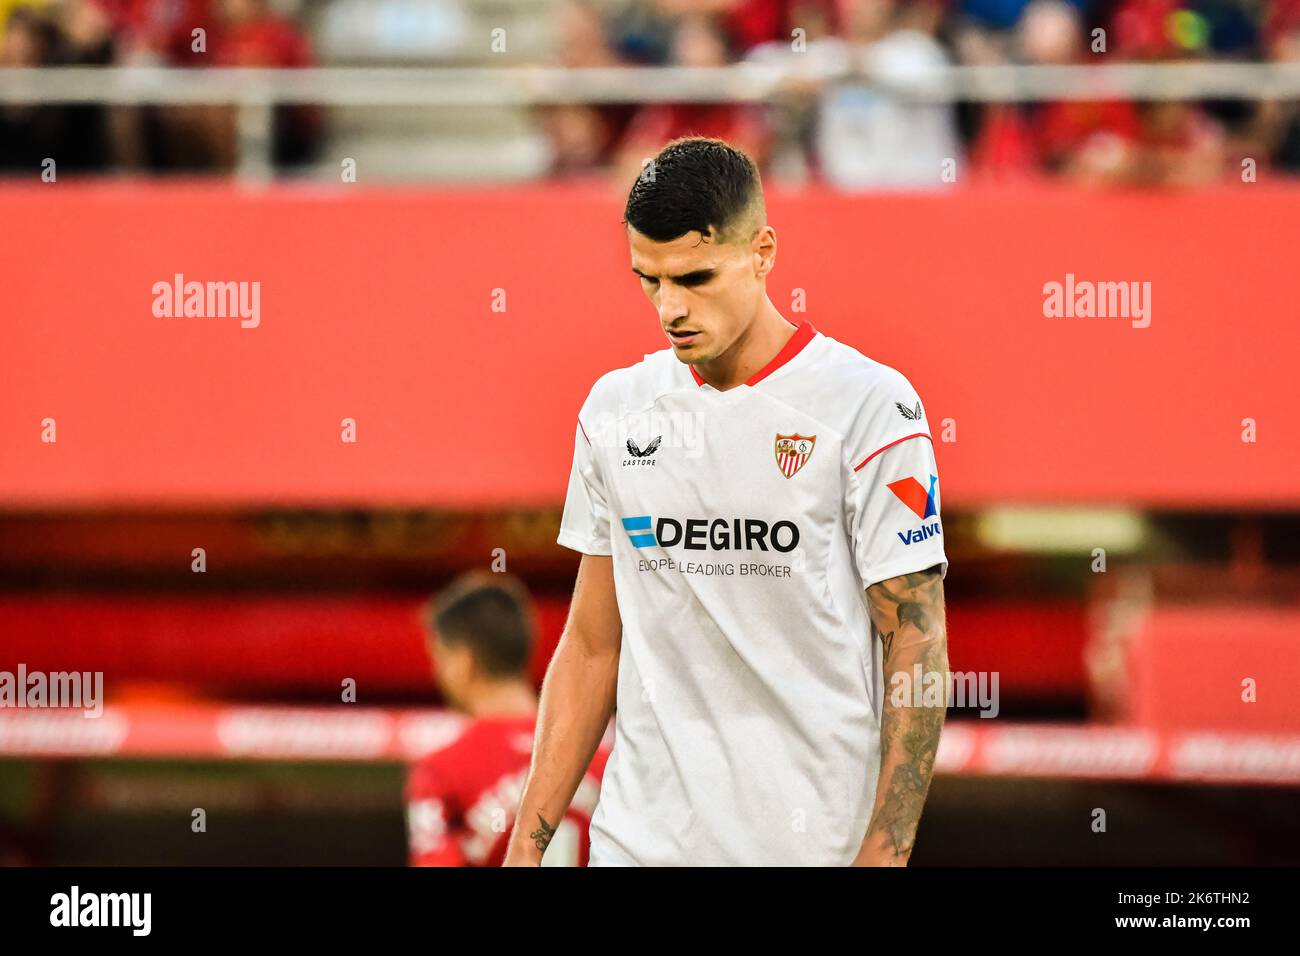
911	600
908	613
541	837
910	736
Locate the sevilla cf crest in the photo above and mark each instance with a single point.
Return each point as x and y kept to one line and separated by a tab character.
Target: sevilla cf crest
792	451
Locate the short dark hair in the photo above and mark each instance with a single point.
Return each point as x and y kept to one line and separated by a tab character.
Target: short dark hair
695	183
491	614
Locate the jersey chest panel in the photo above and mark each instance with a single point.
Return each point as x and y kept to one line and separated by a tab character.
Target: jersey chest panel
725	479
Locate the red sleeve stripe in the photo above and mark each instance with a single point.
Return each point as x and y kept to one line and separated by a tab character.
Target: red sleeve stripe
584	431
891	445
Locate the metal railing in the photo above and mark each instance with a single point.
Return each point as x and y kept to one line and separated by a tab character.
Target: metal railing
254	91
741	82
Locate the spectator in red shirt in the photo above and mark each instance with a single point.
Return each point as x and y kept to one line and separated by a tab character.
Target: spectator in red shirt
1100	142
582	136
748	22
1141	29
164	30
1085	141
252	36
697	42
1180	145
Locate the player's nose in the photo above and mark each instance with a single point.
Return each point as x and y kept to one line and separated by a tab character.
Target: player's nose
672	306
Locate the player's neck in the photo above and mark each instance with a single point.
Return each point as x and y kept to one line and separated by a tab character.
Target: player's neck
756	347
502	699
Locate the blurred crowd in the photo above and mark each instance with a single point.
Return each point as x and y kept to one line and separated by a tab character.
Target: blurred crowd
829	127
91	137
824	125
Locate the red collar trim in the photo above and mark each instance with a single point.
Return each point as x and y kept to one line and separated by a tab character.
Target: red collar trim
803	334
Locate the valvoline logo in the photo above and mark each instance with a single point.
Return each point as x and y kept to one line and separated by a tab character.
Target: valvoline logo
919	534
914	494
716	534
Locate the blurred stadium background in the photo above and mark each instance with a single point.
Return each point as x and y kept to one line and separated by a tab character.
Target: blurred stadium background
429	193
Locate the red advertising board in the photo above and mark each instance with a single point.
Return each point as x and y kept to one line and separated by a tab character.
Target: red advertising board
459	330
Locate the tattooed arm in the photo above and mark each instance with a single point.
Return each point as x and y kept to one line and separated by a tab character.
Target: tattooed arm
908	613
577	701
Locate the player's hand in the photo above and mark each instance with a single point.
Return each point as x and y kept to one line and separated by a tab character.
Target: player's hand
877	852
878	859
522	853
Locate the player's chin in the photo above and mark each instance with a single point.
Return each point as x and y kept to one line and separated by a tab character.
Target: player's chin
691	356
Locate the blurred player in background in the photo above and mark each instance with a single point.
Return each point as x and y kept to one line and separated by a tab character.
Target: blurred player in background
461	799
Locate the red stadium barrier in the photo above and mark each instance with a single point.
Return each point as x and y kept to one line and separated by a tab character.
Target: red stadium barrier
249	646
352	733
1224	667
378	306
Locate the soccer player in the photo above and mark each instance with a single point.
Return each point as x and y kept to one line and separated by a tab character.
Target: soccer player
461	799
757	508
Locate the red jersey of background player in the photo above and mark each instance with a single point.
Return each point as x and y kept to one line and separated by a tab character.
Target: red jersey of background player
461	800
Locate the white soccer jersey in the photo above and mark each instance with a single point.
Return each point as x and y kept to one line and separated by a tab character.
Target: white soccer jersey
745	526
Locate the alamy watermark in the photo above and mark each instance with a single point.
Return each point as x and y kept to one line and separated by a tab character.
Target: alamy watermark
75	908
648	431
179	299
70	690
961	689
1083	299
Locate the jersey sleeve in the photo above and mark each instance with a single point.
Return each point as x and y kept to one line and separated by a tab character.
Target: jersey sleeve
430	840
585	524
892	503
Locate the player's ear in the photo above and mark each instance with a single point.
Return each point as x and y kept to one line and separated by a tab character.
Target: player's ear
763	246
